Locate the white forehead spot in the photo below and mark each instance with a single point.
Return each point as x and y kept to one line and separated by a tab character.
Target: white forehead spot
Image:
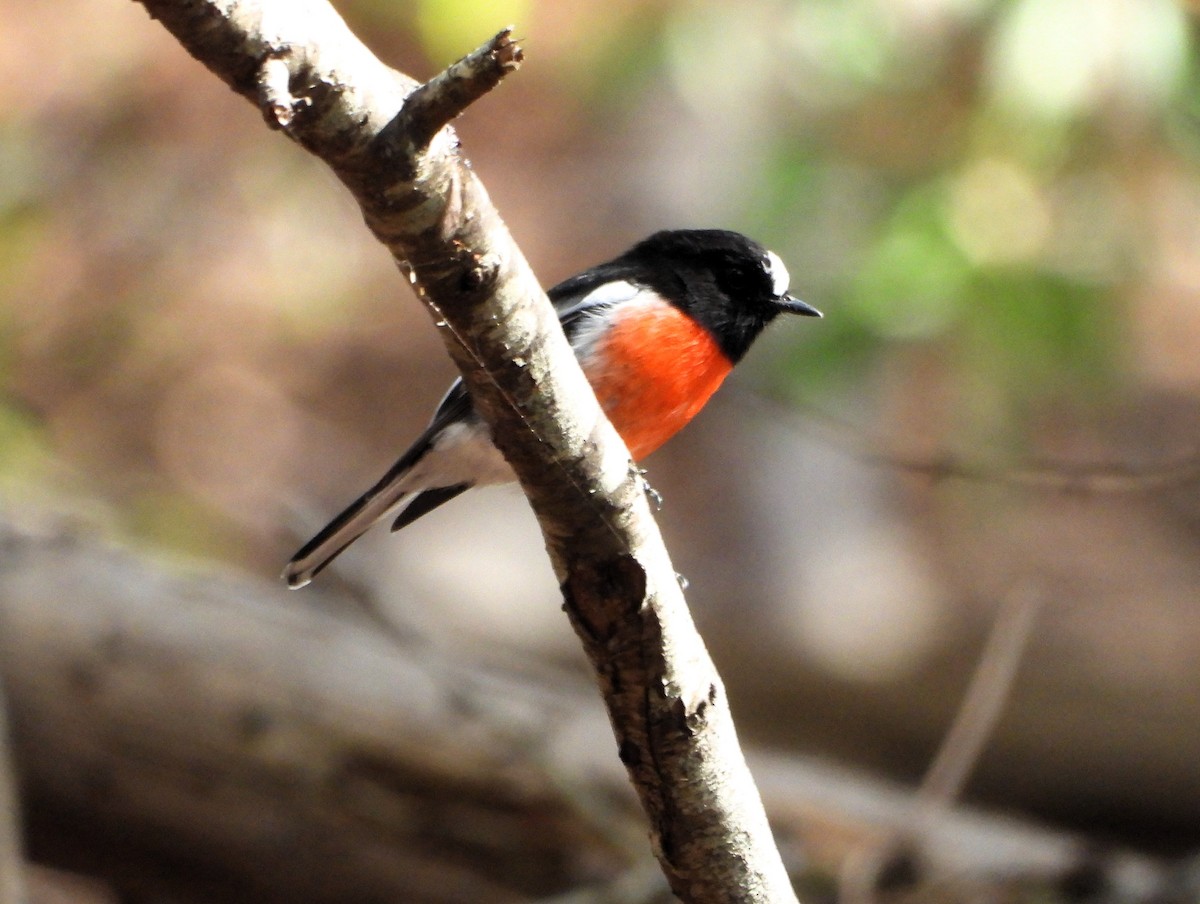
780	280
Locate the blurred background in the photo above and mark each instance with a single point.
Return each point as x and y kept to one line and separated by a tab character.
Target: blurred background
205	355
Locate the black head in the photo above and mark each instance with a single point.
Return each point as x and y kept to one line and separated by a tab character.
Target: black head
731	284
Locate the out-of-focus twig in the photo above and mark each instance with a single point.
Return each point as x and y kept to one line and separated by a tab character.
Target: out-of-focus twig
988	691
984	701
1092	478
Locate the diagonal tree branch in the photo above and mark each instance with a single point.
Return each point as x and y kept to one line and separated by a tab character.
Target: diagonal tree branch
383	136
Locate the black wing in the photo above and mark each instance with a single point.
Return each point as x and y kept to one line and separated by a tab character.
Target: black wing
600	287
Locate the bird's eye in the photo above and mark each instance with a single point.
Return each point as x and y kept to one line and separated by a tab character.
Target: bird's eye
778	273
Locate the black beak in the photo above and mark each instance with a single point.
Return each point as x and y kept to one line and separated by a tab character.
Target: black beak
795	306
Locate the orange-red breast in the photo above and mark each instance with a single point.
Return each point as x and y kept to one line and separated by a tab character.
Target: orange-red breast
656	330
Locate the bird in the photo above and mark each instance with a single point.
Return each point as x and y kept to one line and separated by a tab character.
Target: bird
656	330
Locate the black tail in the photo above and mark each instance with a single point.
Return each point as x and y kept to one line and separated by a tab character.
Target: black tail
383	498
339	533
426	502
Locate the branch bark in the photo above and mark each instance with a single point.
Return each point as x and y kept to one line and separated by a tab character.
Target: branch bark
386	138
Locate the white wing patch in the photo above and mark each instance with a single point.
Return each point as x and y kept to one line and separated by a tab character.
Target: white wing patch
780	278
597	302
604	295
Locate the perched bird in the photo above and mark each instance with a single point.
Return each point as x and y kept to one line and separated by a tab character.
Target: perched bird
656	331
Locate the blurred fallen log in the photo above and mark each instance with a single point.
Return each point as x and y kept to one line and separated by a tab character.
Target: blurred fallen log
12	879
50	886
204	737
246	732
